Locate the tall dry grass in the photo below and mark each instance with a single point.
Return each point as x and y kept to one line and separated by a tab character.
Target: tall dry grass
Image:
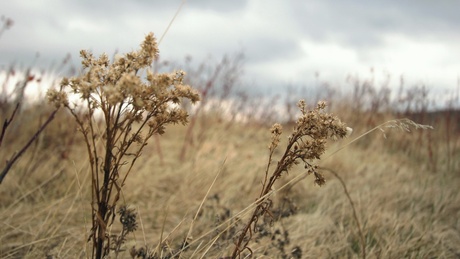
404	209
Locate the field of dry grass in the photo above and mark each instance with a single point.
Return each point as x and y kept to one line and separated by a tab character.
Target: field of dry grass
404	189
389	193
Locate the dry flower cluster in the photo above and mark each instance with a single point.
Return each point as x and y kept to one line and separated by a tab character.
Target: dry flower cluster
306	144
129	105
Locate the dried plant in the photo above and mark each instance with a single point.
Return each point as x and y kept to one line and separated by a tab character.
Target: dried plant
17	100
16	155
7	24
132	110
305	145
129	223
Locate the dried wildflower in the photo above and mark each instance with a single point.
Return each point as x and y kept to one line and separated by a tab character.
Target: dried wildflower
128	218
313	128
276	131
58	98
149	49
306	144
134	109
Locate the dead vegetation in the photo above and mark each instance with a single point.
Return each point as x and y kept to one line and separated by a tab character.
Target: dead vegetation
207	190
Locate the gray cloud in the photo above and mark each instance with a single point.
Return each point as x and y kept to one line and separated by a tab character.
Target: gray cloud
219	6
264	48
364	23
281	40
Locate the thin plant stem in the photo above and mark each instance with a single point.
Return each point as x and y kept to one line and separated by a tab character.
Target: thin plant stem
355	216
17	155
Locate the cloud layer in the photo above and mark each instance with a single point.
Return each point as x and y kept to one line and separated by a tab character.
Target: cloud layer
284	42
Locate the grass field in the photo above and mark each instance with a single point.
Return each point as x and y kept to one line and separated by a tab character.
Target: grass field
406	210
194	188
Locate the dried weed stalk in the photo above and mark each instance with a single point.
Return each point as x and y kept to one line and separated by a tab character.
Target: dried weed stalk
16	155
6	102
132	109
305	145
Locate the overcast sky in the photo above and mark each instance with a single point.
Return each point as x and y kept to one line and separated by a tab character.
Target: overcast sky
284	42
